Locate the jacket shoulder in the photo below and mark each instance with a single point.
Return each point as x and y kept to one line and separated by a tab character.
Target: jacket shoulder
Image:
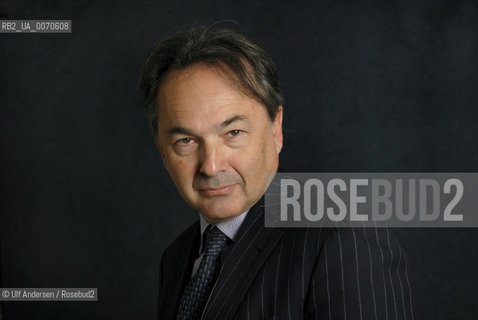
184	238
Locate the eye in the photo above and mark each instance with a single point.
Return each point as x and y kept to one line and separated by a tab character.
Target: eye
234	133
185	140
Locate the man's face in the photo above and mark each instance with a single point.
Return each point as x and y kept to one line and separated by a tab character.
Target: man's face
218	145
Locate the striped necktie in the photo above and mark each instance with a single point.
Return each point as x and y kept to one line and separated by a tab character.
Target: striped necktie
197	291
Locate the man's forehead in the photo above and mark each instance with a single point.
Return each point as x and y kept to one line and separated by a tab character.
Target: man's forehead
203	73
217	110
202	92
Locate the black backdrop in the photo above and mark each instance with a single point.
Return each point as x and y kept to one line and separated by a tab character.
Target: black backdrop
369	87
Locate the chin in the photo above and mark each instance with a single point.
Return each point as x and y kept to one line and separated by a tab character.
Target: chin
220	210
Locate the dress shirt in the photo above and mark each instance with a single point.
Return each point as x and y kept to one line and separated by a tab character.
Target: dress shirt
229	228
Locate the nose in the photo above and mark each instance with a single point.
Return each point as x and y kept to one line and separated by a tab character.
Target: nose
211	159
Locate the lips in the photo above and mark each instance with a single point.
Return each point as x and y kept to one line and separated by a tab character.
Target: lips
217	191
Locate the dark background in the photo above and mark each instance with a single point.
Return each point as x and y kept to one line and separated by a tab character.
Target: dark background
385	86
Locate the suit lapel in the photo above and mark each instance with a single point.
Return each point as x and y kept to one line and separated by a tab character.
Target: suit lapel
241	263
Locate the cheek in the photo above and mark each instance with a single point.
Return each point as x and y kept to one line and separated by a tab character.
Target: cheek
250	164
181	169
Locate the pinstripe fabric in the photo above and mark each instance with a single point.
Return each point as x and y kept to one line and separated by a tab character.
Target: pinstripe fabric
289	273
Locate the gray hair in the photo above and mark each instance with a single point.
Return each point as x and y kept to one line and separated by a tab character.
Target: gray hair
251	66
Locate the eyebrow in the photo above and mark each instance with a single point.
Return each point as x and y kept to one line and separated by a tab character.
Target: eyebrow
232	120
181	130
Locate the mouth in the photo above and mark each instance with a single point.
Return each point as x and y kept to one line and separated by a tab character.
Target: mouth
218	191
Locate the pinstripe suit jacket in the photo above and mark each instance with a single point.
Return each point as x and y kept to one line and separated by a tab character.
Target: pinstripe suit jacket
295	273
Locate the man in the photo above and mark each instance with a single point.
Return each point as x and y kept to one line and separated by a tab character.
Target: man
215	107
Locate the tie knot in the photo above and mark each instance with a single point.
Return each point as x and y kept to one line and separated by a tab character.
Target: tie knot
214	242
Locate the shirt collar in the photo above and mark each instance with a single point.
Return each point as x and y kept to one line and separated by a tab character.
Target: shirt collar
229	227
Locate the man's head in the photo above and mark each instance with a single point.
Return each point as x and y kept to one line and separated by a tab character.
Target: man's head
215	107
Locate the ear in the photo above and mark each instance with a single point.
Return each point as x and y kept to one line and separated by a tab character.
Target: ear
161	151
277	130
